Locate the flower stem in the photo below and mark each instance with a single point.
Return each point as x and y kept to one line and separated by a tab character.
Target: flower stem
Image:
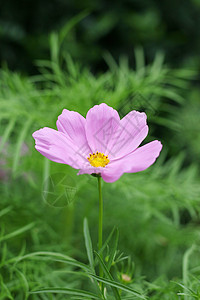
100	222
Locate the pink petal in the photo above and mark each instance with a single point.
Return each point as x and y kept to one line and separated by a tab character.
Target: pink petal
58	147
73	125
113	172
131	132
101	123
143	157
137	161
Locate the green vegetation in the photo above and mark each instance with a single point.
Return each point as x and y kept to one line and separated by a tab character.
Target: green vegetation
42	251
101	26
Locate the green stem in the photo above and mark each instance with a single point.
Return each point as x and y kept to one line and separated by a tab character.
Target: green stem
100	222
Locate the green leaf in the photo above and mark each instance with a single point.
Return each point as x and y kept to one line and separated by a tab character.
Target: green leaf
24	282
157	64
55	257
140	61
17	232
107	273
113	249
88	243
5	293
67	291
5	211
70	24
49	255
107	241
119	286
54	47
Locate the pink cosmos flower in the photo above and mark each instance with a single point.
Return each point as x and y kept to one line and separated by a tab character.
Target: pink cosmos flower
100	144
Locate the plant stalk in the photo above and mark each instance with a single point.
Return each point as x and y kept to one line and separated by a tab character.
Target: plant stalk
100	242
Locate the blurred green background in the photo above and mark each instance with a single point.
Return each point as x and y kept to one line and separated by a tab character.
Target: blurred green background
141	55
172	26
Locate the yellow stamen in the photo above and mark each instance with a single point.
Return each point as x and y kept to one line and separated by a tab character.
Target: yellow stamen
98	159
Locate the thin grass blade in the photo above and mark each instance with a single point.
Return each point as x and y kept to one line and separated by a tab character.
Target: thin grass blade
113	249
119	286
107	273
67	291
88	243
17	232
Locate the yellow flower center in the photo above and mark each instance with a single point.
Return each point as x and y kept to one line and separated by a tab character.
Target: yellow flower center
98	159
